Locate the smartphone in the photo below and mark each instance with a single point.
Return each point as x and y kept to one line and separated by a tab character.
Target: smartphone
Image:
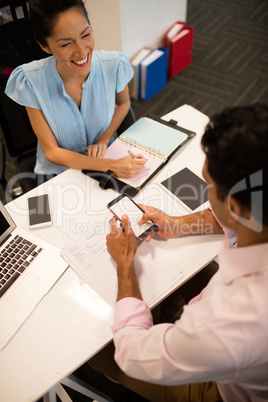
124	205
39	211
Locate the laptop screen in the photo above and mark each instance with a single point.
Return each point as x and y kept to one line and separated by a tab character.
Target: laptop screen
3	224
7	225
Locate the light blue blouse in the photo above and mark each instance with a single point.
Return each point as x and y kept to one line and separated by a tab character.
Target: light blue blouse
38	85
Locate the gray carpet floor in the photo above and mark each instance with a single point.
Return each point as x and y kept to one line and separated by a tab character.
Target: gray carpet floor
230	59
230	67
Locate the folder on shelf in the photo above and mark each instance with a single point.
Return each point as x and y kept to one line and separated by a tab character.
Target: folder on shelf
179	42
153	72
150	136
135	63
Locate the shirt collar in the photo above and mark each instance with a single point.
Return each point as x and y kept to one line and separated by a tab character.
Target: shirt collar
235	262
59	79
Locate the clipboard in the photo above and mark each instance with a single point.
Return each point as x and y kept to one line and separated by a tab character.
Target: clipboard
156	138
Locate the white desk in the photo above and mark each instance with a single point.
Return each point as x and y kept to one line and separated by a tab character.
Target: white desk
72	322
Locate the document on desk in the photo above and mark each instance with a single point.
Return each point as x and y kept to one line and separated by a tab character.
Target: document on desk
91	261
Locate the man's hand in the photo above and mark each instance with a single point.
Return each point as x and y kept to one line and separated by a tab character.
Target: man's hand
121	242
167	225
202	222
122	246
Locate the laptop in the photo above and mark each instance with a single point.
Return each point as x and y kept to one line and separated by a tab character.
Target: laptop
29	267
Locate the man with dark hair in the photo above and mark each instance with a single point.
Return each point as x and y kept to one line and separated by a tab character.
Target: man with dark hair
235	143
218	349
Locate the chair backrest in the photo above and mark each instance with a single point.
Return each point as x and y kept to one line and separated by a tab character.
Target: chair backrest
13	6
127	122
17	130
18	46
17	43
3	181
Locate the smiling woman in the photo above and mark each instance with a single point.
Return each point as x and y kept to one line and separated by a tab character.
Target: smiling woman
72	43
75	98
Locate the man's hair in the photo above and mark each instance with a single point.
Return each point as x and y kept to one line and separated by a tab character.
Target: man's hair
236	145
43	15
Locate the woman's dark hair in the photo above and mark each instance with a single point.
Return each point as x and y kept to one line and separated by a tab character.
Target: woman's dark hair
44	13
236	145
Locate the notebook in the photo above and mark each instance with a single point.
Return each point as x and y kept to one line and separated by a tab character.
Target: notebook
154	138
29	267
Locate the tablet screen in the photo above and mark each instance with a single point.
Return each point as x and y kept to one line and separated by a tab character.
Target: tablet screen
188	188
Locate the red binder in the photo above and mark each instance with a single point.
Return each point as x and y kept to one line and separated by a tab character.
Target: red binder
180	47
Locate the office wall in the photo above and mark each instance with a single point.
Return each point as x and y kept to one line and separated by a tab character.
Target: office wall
144	22
129	25
104	16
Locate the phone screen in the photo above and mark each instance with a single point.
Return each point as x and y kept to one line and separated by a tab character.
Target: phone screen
124	205
39	211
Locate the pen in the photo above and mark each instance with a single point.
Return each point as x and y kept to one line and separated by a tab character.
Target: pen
131	153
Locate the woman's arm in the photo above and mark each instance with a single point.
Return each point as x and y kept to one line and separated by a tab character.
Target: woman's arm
121	109
124	167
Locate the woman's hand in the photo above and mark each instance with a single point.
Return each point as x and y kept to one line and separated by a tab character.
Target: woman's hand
96	150
128	166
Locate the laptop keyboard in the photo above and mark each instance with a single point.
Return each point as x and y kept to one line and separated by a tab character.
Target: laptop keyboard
15	258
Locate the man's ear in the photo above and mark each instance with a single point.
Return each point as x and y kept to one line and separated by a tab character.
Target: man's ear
237	210
45	48
239	214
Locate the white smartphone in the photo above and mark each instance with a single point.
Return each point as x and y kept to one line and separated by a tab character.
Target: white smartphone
39	211
124	205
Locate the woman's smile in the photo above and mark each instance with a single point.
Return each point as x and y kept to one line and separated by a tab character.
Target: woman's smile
81	62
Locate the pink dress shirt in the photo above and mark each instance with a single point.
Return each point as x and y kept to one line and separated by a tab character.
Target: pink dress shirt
221	336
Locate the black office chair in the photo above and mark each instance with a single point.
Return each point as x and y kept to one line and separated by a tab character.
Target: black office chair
18	46
20	141
13	6
127	122
17	43
3	181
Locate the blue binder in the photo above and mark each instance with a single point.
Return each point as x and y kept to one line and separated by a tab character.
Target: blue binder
156	75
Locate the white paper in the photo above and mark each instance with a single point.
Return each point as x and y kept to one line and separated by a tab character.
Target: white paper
92	262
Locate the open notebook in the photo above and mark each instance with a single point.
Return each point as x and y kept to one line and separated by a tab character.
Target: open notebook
156	139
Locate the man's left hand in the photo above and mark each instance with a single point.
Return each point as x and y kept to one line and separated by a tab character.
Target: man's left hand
121	242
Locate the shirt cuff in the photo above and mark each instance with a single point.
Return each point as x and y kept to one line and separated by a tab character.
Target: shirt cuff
132	312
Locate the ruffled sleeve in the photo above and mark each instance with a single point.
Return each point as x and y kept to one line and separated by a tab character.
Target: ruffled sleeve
124	72
20	90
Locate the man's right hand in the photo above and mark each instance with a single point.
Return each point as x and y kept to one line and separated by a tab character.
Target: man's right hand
167	225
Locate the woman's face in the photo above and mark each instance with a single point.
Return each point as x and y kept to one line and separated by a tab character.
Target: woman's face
72	43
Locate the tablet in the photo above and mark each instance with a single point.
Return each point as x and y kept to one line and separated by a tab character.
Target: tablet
188	188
